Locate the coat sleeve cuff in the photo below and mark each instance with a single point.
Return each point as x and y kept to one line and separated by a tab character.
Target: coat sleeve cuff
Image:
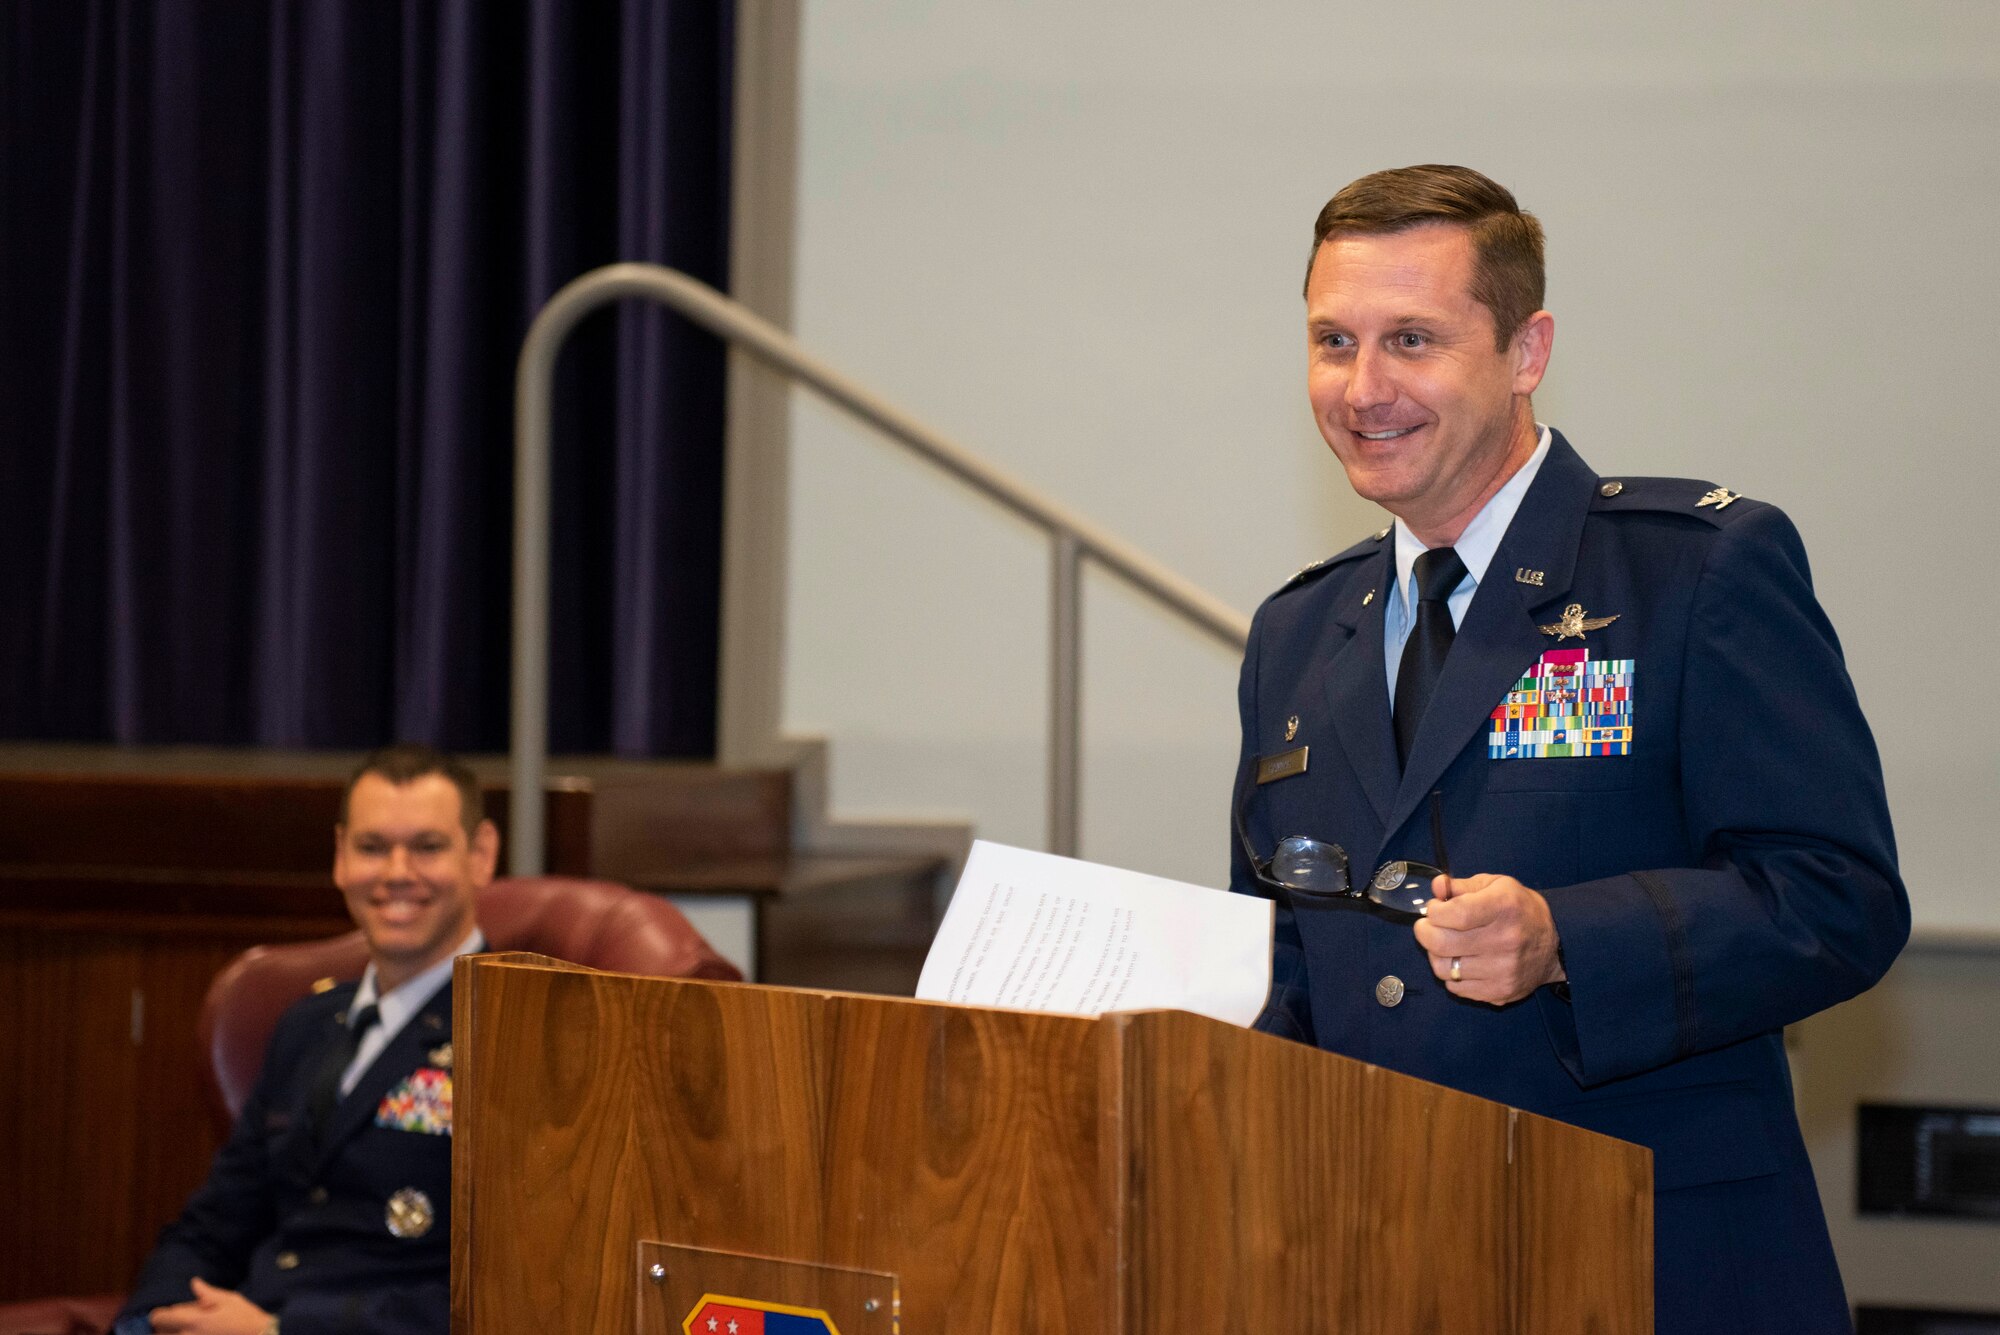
1625	1013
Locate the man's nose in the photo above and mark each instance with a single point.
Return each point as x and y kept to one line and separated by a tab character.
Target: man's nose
399	863
1368	383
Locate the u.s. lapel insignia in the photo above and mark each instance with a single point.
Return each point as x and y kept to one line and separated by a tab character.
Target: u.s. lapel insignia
1368	597
1291	727
441	1057
1523	575
410	1213
1574	623
1720	498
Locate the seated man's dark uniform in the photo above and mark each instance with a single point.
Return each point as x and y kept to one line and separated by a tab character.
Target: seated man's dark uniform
345	1230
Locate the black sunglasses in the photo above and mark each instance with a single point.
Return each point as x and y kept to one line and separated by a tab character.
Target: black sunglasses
1302	865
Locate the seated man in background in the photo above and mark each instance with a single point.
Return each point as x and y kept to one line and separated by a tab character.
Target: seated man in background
328	1208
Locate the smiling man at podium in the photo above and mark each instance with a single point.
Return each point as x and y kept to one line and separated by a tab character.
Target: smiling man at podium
1559	780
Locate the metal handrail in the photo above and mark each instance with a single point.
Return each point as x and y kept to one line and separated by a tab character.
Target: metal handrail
1073	537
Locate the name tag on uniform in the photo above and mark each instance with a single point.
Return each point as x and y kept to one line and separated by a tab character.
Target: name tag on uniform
1566	705
1283	765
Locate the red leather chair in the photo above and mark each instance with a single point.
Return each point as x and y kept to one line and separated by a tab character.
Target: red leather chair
594	923
60	1316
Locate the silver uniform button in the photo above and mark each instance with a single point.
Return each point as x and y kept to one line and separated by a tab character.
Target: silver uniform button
286	1260
1390	990
1611	489
409	1214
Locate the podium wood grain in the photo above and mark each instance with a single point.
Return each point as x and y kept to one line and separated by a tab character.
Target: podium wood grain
1153	1172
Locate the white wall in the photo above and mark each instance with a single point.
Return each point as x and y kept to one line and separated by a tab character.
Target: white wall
1073	235
1928	1034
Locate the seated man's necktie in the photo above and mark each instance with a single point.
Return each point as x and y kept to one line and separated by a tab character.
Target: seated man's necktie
326	1085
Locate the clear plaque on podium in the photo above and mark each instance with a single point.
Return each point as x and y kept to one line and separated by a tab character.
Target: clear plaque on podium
702	1291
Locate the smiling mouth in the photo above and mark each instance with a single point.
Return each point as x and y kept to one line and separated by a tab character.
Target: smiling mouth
1386	435
400	912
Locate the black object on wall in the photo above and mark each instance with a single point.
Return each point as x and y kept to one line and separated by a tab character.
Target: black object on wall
264	271
1927	1161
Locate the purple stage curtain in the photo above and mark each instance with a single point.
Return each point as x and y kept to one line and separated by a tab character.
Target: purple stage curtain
264	271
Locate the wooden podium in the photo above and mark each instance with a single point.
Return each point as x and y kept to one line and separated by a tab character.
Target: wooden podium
639	1155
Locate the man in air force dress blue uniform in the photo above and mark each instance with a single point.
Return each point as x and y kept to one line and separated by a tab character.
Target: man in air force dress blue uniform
328	1210
1661	803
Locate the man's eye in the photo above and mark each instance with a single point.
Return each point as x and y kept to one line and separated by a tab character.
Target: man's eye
1337	342
370	848
428	847
1409	339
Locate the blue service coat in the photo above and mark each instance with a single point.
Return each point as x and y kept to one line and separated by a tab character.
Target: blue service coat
1734	873
304	1230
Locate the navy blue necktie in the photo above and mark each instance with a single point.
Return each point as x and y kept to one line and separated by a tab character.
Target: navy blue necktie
1438	572
326	1086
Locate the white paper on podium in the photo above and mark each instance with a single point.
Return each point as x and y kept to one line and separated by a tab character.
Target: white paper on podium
1033	931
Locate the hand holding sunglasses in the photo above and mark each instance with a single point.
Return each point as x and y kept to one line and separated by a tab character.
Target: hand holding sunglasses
1491	939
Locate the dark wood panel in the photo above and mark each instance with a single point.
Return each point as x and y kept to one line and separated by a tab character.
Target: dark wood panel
137	899
66	1148
179	1130
204	829
104	1130
167	821
625	821
659	820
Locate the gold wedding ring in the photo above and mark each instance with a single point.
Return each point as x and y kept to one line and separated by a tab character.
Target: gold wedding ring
1456	976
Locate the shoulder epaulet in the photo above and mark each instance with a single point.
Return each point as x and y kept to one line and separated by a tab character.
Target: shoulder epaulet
1672	495
1308	574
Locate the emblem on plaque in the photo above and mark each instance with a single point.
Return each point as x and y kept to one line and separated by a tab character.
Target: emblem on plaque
719	1314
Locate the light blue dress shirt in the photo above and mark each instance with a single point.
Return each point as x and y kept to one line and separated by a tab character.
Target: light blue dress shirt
397	1006
1475	547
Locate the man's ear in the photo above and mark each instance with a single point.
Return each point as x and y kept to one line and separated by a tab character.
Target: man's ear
485	851
1533	342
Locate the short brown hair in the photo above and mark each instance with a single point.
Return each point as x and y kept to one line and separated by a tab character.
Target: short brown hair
405	762
1507	273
